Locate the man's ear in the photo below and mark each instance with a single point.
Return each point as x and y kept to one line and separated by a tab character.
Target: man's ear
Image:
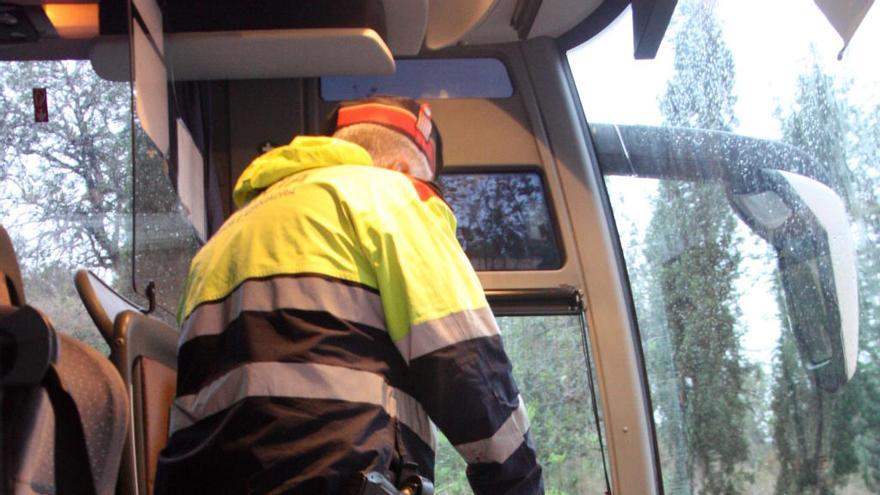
400	166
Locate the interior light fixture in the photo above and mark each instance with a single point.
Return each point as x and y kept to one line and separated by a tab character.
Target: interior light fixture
73	20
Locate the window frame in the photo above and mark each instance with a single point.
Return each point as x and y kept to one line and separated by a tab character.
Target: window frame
567	301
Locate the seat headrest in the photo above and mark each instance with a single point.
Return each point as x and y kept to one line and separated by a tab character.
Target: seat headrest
102	302
28	344
11	286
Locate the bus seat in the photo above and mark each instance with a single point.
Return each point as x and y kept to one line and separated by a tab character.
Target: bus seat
145	353
95	398
11	288
29	422
102	303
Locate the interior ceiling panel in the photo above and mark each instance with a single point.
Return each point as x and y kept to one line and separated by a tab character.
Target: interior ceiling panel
409	26
558	16
406	22
554	18
450	20
267	54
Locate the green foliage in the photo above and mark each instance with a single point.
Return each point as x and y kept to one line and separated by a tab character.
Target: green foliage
700	92
503	222
67	180
67	184
696	272
549	366
866	208
822	438
691	262
550	370
449	470
818	124
50	289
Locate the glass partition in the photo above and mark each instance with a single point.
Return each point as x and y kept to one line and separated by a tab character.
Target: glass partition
165	239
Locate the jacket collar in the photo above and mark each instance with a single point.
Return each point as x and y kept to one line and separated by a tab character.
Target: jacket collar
303	153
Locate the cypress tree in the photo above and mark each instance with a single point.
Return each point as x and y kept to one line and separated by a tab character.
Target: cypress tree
689	240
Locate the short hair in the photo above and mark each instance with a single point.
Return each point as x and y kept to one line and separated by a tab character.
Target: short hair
387	147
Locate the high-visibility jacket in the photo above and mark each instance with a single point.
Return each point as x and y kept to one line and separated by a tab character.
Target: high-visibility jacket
324	324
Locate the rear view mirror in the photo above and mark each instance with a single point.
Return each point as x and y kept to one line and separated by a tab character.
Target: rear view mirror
803	219
806	223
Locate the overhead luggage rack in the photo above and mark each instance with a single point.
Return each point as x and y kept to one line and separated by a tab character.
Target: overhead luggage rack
267	40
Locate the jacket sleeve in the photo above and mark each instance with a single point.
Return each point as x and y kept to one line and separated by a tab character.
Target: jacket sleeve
438	318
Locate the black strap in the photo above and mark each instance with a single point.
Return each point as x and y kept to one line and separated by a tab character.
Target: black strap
585	339
73	471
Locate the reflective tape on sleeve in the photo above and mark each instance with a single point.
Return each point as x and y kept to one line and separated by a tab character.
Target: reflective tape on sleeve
427	337
502	444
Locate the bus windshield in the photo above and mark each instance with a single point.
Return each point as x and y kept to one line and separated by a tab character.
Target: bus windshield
740	390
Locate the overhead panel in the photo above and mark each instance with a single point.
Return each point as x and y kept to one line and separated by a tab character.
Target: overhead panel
406	22
31	31
554	18
150	89
558	16
281	40
451	20
279	53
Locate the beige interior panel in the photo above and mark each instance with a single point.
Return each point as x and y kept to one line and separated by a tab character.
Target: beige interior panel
406	22
282	53
152	16
151	88
450	20
558	16
554	18
263	54
191	180
484	132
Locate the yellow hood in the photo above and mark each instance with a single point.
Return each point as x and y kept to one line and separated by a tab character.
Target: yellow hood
303	153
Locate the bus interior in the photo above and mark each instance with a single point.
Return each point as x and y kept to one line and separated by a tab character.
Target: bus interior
673	208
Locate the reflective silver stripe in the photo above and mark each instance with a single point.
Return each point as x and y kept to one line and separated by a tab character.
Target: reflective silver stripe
303	381
351	303
411	413
432	335
502	444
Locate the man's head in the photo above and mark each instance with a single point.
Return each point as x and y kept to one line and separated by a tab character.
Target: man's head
398	132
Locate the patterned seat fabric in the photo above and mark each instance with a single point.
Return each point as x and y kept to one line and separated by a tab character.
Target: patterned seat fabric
100	397
29	421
